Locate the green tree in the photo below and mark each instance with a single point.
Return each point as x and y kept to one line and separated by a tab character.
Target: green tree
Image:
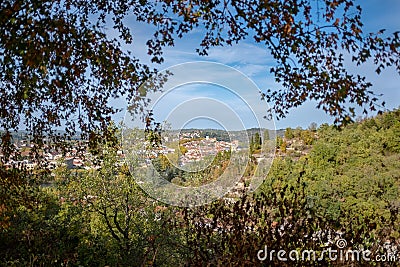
283	147
266	136
307	136
279	141
130	223
313	126
289	133
257	141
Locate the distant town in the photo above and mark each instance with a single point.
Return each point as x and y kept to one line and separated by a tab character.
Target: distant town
76	156
194	146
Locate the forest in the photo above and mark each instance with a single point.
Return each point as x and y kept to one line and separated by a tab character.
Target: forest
327	183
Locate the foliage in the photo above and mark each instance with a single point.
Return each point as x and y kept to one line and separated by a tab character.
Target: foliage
289	133
352	174
347	186
39	231
60	68
129	223
255	143
205	174
266	136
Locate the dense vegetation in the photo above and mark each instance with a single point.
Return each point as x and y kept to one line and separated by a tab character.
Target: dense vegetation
347	184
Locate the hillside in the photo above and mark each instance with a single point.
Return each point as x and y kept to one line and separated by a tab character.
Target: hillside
349	174
325	185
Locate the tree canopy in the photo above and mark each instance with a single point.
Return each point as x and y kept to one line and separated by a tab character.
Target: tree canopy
60	68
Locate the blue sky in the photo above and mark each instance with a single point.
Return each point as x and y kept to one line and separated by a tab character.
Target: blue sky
214	93
254	61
